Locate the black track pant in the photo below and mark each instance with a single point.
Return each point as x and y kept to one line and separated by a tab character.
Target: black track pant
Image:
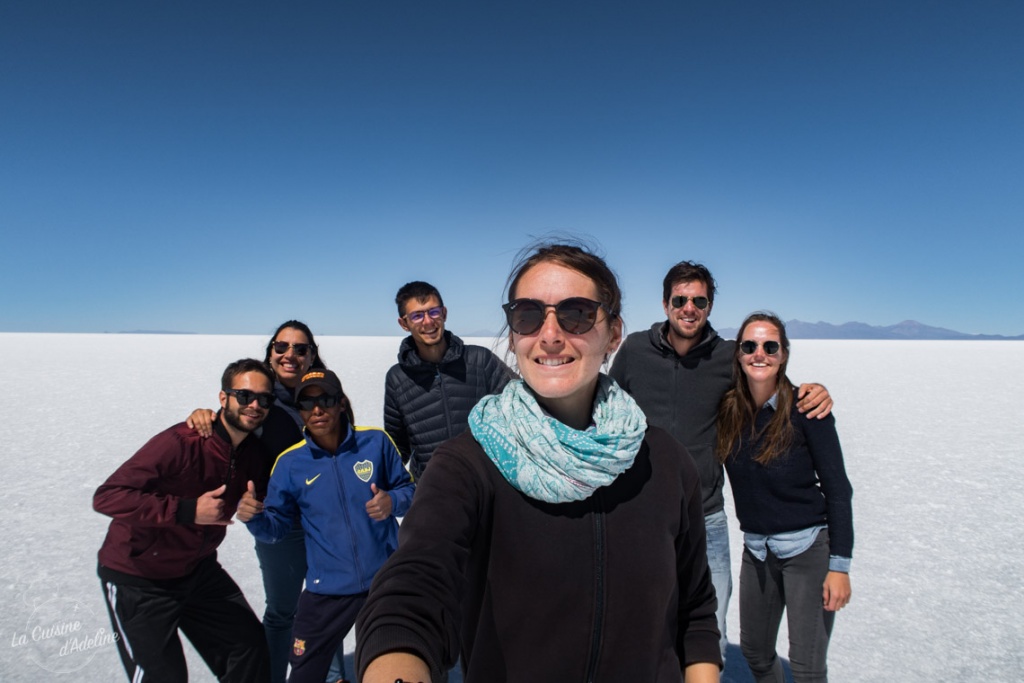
207	606
321	623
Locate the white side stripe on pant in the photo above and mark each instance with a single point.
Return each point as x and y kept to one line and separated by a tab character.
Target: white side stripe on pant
112	600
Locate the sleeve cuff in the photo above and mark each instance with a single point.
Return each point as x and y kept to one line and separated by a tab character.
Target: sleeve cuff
186	513
839	564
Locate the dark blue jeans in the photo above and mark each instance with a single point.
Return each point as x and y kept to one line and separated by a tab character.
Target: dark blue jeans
283	565
719	561
794	585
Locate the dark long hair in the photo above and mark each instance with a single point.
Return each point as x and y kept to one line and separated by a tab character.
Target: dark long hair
737	409
304	329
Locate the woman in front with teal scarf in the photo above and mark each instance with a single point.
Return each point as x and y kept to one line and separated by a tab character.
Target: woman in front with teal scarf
560	538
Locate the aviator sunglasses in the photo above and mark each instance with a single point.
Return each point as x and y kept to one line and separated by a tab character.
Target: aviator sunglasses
245	397
418	316
701	302
576	315
281	348
325	401
750	346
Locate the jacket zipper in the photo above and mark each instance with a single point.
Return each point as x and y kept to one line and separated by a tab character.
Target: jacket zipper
340	480
444	403
595	638
230	476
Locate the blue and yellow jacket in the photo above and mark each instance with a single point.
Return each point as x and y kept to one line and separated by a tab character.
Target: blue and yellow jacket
329	492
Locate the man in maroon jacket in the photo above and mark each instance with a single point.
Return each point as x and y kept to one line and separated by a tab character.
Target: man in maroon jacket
171	503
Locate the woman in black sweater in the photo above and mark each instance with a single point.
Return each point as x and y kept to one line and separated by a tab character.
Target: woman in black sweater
793	502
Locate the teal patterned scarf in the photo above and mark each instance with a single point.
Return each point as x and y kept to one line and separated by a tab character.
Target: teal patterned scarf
549	461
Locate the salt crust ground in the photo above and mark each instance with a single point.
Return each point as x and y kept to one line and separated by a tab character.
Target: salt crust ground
932	433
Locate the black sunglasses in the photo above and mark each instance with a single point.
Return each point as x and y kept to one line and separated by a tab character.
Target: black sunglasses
325	401
750	346
576	315
245	397
418	316
701	302
282	348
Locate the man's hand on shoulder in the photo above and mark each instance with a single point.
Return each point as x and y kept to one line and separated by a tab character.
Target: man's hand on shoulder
201	420
813	400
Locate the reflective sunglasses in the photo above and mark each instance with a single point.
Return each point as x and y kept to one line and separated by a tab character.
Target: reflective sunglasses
576	315
245	397
281	348
325	401
418	316
750	346
701	302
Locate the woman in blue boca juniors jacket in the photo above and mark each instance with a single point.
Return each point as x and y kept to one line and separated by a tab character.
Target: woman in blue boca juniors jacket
346	484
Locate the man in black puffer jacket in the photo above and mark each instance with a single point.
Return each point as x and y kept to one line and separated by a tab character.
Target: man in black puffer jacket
438	379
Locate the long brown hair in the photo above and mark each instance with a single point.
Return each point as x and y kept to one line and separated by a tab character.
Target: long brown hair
737	411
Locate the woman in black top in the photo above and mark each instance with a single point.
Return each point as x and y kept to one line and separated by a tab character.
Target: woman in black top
793	503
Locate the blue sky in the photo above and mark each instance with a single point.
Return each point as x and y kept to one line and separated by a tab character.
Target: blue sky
219	167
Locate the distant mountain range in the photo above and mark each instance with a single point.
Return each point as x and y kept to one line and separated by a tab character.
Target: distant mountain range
908	329
798	329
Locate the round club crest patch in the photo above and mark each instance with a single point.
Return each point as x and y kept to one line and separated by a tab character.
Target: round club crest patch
363	470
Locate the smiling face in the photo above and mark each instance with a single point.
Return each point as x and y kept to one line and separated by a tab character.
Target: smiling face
686	324
428	331
760	368
559	367
289	367
245	418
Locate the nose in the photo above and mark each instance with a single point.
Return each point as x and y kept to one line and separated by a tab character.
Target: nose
550	330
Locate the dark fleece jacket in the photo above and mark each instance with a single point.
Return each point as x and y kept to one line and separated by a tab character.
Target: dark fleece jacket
612	588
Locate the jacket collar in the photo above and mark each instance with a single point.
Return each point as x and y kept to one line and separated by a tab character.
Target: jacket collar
219	430
658	336
347	444
408	357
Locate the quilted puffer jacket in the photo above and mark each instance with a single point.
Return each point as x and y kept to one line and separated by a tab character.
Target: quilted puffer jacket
425	404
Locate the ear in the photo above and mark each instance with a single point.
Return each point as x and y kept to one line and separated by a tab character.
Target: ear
616	338
223	400
444	314
710	306
665	306
404	325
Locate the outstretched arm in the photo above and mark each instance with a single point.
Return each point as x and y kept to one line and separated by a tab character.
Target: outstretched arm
703	672
394	665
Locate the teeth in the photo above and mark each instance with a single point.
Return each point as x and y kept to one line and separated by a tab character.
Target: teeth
553	362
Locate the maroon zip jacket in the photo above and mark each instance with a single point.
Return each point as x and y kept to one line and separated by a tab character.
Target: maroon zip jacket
152	498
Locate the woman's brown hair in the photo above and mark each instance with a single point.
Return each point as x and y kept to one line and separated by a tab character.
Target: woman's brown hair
737	410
